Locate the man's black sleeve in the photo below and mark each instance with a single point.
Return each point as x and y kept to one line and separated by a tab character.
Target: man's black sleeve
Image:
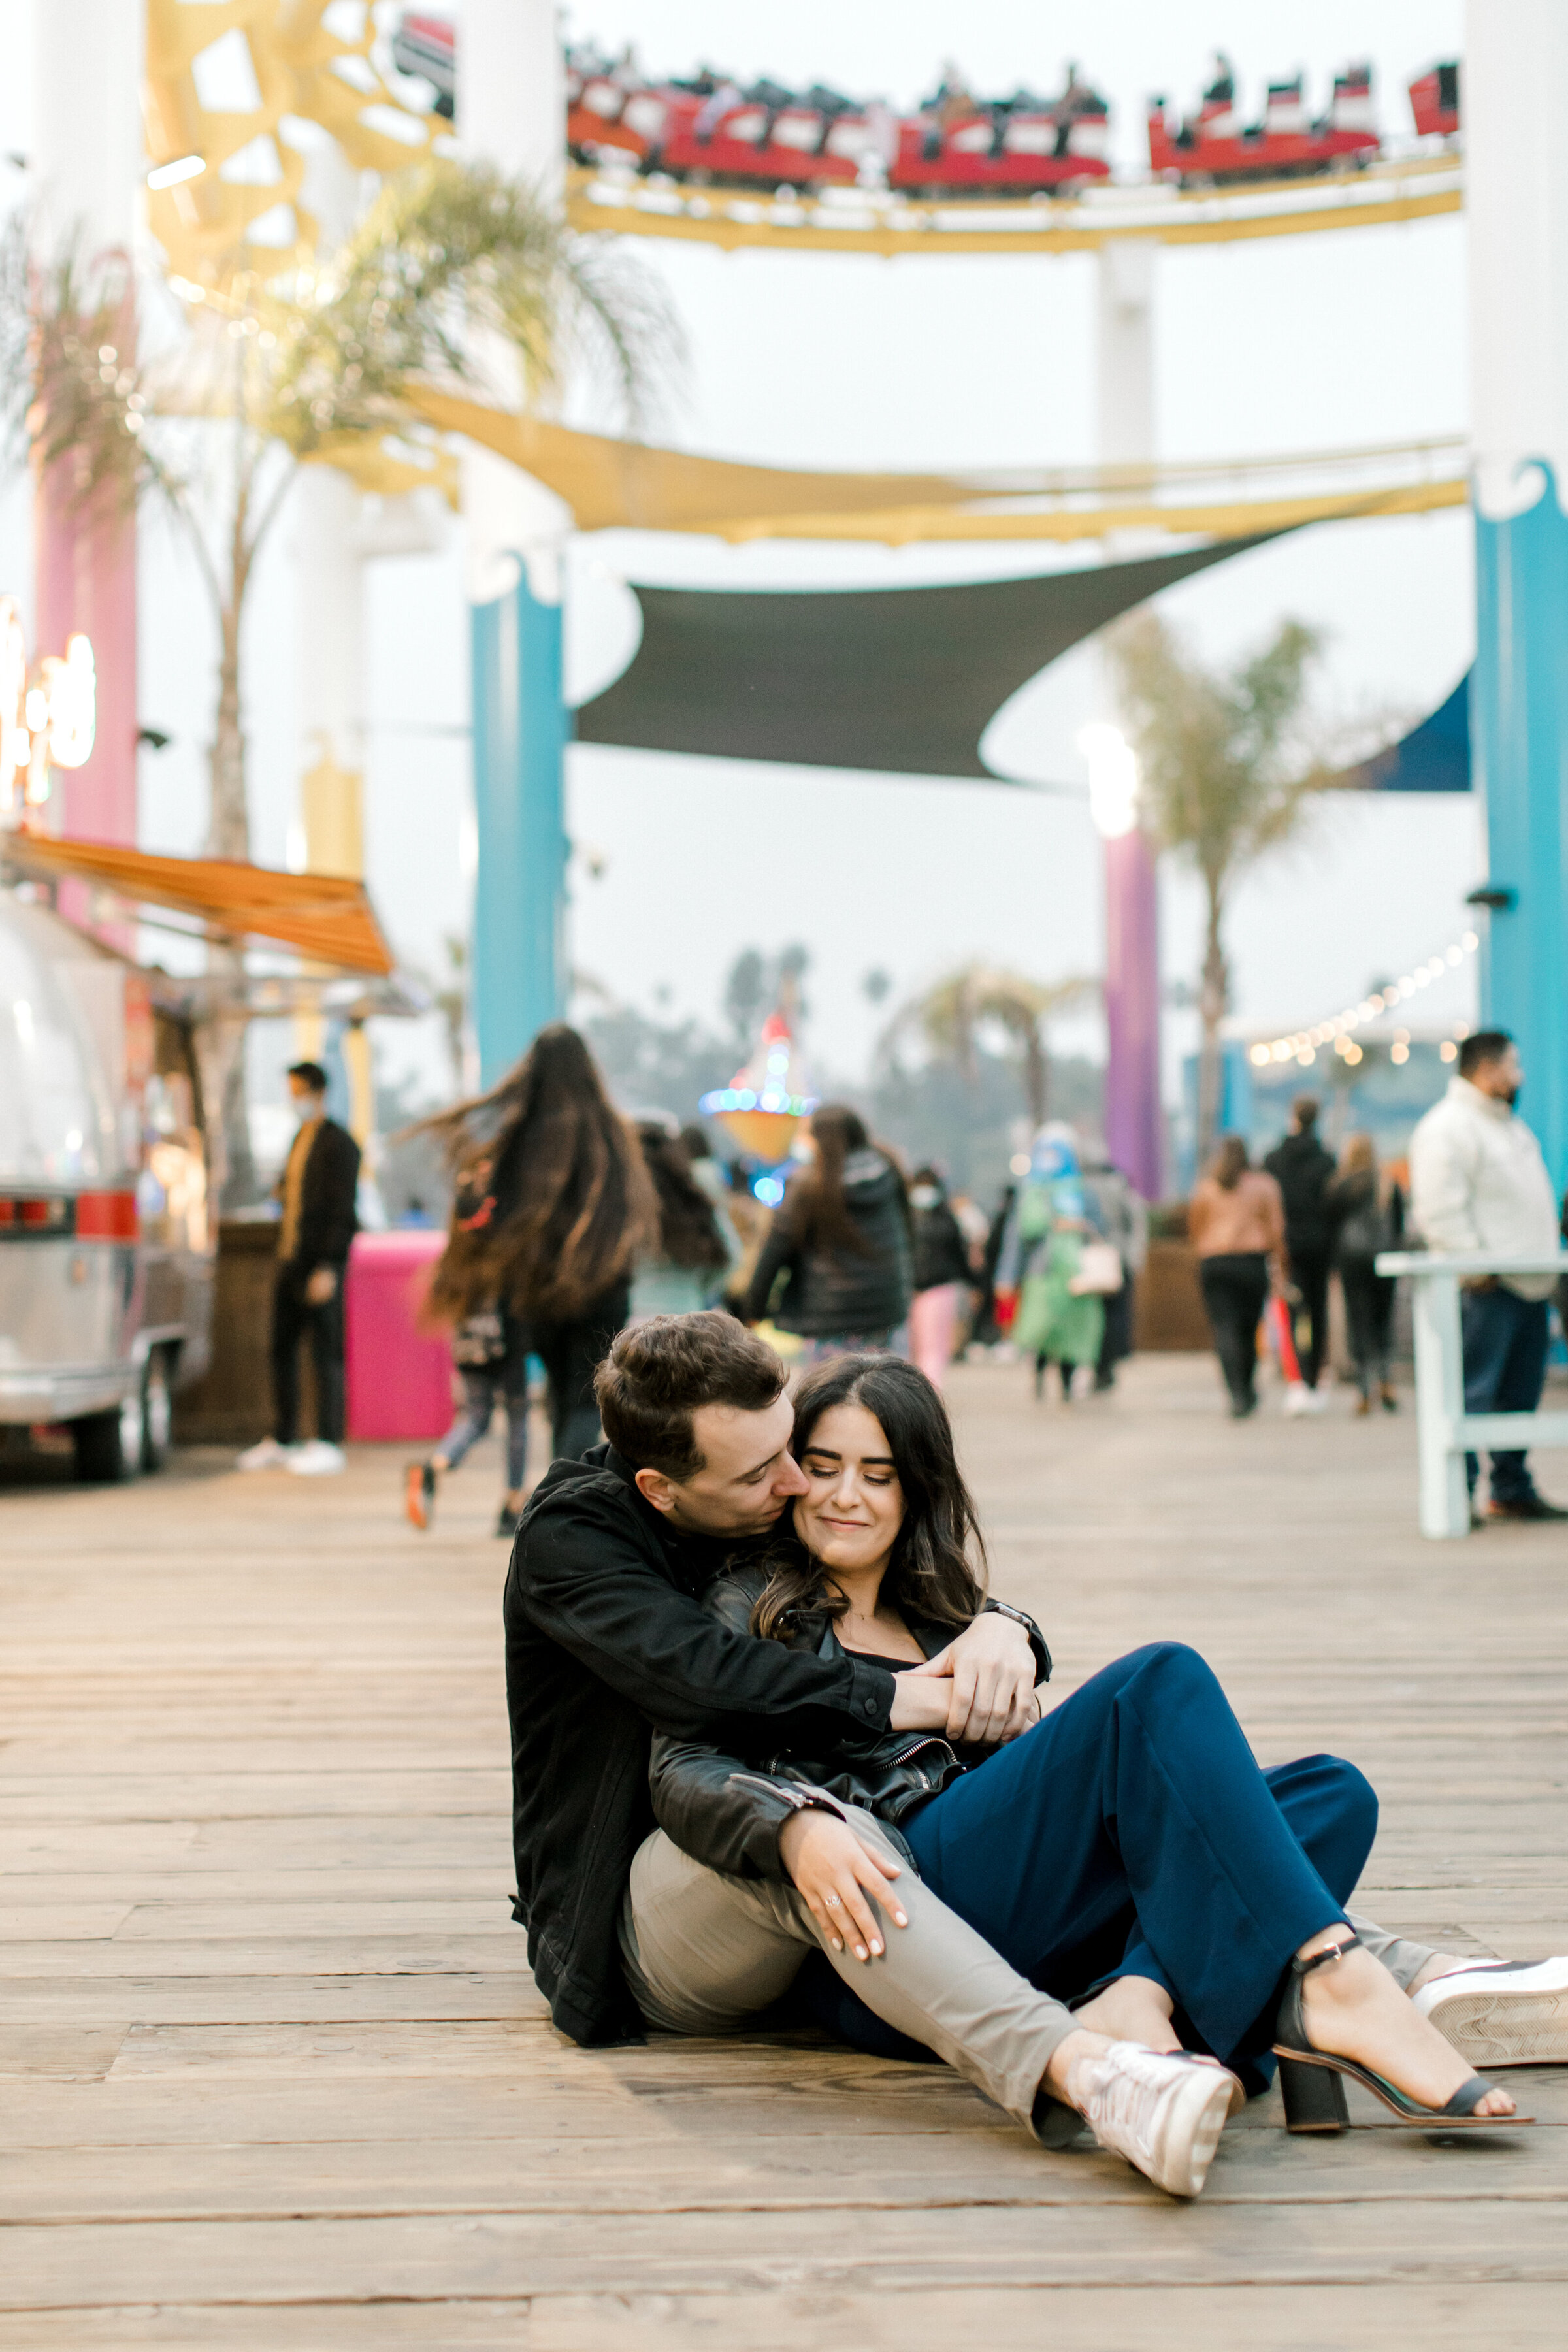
329	1223
583	1581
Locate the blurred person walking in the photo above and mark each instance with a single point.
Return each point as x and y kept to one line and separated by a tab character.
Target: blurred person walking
684	1269
841	1234
941	1275
570	1206
987	1330
1478	1183
1057	1321
1304	1170
1120	1214
1366	1214
318	1191
1236	1221
491	1354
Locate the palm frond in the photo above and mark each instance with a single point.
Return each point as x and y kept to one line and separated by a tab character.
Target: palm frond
78	384
451	261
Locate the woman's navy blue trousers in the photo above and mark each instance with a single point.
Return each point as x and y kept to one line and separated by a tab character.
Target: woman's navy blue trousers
1132	1833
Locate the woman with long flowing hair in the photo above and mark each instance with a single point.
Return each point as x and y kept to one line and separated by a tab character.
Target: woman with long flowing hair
685	1268
842	1234
1366	1208
552	1244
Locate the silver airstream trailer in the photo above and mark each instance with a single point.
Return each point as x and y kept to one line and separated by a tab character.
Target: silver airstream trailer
106	1244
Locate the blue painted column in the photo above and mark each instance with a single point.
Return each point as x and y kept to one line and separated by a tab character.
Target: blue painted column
1519	730
1516	62
520	728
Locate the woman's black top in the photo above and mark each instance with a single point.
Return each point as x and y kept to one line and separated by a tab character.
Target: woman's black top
941	1253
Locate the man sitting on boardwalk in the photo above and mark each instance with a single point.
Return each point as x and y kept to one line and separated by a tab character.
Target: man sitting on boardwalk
607	1636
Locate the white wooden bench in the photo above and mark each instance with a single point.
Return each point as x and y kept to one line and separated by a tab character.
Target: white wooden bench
1445	1431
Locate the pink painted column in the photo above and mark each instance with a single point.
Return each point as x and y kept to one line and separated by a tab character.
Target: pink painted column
1133	1136
85	578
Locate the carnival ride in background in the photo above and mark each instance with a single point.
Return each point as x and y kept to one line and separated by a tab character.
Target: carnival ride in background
707	127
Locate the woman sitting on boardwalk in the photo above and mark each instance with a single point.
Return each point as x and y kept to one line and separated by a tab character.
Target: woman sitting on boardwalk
1126	1856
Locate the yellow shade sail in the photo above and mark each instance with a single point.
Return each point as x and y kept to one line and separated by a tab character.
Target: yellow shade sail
613	484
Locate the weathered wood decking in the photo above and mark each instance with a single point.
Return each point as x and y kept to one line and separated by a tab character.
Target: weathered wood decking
273	2074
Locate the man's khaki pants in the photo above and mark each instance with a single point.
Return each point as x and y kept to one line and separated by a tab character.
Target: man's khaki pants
705	1953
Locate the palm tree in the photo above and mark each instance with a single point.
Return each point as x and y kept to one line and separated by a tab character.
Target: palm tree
1227	774
450	261
950	1017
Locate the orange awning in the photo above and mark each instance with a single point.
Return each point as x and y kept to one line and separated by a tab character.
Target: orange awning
326	916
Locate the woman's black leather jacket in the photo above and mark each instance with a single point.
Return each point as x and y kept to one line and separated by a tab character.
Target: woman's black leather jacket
727	1810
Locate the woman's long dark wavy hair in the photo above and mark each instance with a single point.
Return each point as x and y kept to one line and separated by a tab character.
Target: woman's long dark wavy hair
938	1569
570	1202
689	1232
817	1210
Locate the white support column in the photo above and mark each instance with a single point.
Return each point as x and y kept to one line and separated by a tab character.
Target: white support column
511	113
1124	352
87	161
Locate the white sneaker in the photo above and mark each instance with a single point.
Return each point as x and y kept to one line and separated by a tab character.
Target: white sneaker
1502	2012
1299	1399
268	1455
1164	2112
318	1459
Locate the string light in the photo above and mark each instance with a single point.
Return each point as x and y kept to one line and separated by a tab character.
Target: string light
1302	1046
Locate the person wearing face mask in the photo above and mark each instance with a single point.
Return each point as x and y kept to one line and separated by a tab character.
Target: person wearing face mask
318	1189
1478	1181
1042	1252
941	1275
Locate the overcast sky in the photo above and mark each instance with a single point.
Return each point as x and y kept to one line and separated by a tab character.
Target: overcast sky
1304	343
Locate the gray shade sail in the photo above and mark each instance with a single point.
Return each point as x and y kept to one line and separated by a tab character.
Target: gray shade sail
901	681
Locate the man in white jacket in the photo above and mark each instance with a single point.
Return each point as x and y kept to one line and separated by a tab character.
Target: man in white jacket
1478	1181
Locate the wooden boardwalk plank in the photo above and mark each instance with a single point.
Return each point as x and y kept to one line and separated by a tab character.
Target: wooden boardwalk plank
272	2070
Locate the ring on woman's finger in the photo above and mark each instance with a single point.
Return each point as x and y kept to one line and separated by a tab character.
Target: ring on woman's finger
833	1902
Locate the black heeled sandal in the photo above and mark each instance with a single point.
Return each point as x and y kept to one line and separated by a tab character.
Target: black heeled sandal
1310	2080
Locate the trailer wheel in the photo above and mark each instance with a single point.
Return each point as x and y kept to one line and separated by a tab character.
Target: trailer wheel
157	1410
108	1444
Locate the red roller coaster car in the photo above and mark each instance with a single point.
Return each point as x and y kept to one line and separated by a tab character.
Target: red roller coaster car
1215	145
1434	101
765	135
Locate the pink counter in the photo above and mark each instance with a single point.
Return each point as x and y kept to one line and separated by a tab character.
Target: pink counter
399	1378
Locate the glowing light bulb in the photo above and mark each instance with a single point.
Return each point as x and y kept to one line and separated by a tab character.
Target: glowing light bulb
1112	780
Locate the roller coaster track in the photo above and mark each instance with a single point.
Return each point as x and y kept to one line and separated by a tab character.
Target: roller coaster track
859	220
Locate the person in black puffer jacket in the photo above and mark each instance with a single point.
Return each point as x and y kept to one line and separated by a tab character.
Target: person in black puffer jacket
1302	1170
842	1237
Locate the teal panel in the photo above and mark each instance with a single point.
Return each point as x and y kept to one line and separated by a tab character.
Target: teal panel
521	729
1519	715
